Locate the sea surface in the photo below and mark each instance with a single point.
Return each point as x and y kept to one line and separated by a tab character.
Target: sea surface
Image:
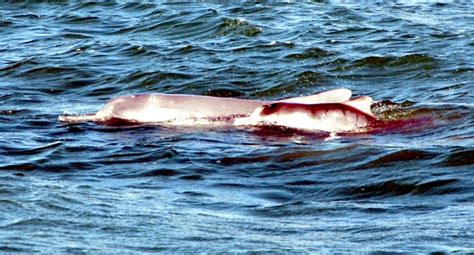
89	188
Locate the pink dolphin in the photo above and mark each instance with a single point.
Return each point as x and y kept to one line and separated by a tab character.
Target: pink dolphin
331	111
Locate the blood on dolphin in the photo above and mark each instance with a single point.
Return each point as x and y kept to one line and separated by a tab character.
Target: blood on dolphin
330	111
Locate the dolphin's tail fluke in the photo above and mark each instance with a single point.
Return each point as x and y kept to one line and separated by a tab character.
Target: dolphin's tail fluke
78	118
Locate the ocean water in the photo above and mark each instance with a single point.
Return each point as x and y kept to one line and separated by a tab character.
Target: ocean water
88	188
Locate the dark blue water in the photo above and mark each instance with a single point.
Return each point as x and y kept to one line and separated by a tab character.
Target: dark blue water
82	188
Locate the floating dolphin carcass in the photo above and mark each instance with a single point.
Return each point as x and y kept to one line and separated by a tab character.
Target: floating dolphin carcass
331	111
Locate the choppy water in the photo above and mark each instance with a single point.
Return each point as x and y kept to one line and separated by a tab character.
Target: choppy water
89	188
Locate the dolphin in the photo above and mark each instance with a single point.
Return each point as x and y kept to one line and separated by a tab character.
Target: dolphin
347	116
332	111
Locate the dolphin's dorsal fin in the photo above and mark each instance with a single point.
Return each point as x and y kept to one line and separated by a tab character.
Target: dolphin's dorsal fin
362	104
330	96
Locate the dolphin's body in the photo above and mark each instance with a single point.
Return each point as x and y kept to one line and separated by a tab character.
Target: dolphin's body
331	111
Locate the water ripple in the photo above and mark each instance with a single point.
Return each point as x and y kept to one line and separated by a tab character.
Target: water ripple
404	187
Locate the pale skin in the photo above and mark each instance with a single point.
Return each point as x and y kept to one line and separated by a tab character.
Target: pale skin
331	110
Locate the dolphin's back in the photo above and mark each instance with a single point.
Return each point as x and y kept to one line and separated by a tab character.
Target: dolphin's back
165	108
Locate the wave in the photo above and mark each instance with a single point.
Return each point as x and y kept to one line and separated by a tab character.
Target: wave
310	53
400	188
